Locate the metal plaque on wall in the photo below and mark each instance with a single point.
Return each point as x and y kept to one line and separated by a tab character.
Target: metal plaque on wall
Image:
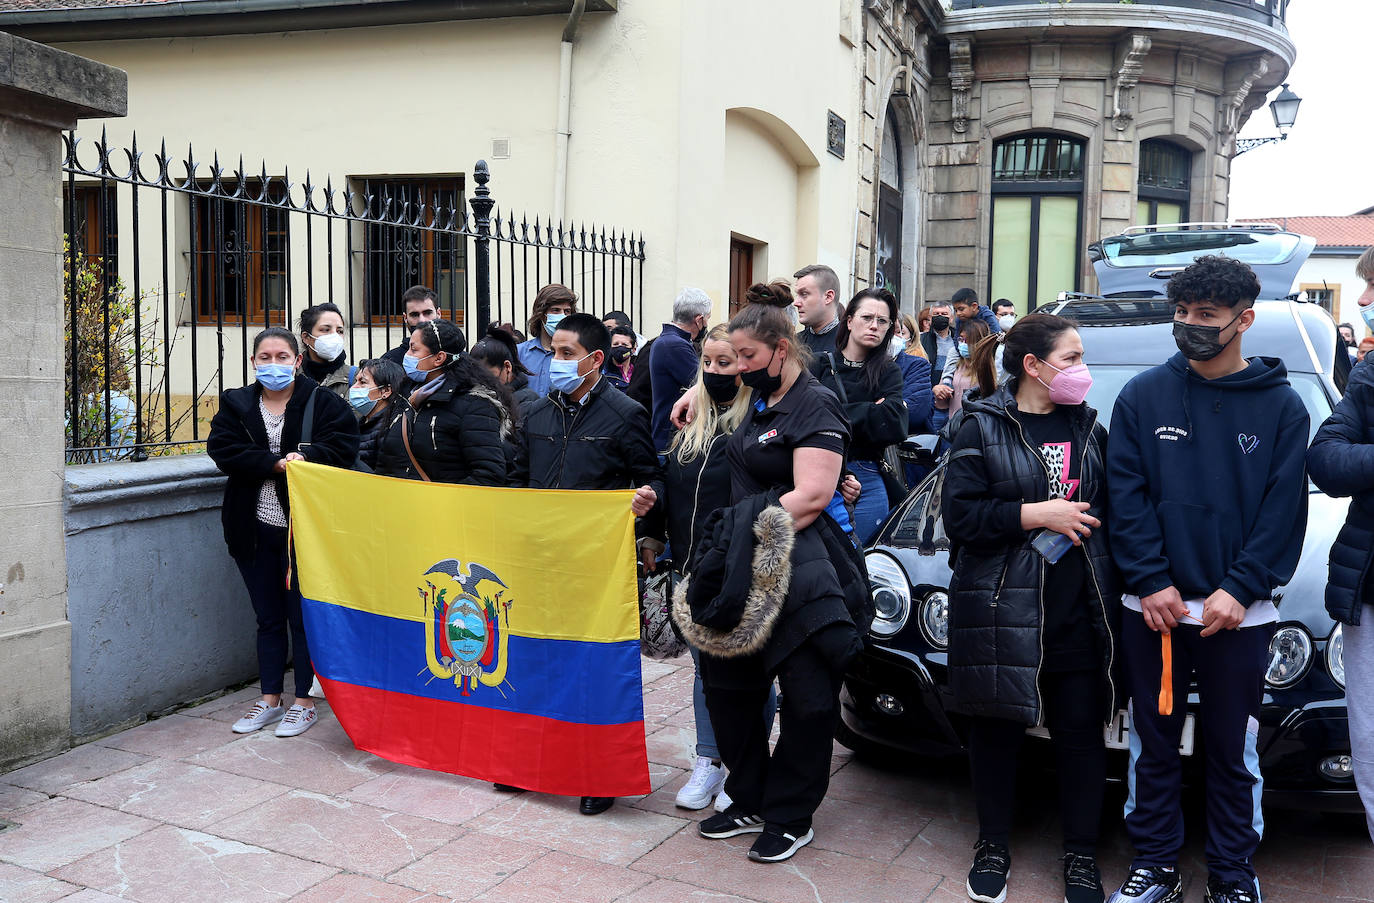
834	134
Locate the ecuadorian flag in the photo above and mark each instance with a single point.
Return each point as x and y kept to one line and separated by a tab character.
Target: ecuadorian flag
492	633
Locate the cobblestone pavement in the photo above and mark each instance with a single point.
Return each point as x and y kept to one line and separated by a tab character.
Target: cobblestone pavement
181	809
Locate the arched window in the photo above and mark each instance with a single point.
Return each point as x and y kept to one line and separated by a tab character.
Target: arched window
887	265
1163	185
1037	214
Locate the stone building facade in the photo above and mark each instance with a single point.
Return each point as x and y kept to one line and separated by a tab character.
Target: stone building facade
1026	130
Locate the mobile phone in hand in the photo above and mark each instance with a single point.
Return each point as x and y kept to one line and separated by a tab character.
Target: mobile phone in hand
1051	545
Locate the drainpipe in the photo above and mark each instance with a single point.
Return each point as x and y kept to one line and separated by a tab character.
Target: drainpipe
560	178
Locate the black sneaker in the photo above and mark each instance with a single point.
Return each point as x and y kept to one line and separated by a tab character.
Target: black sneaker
1082	880
775	845
987	880
723	825
1151	884
1232	891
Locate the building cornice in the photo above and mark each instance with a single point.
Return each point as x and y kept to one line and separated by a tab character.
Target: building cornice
1061	21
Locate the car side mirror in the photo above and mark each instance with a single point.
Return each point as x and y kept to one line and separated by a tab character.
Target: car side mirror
919	450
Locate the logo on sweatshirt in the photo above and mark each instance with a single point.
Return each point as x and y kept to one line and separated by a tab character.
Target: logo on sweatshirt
771	434
1170	433
1247	443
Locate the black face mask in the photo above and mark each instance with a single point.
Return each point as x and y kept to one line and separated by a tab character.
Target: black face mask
720	386
939	322
619	353
1201	343
761	380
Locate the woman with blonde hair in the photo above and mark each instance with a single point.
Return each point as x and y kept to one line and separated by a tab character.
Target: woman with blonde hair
911	336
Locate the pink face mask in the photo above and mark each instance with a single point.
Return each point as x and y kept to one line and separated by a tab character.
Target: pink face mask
1070	385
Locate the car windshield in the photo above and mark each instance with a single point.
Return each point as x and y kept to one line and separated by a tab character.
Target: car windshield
920	527
1164	249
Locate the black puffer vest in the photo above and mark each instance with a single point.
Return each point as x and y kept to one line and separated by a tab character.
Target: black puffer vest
996	605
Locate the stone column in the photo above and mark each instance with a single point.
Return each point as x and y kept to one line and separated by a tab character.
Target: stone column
42	92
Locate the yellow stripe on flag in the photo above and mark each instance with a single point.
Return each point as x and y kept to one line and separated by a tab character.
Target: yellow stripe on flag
365	542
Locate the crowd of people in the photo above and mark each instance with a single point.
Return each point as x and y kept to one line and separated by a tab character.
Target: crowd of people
1089	574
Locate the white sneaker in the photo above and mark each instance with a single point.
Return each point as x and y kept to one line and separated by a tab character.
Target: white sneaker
723	800
258	717
706	781
298	720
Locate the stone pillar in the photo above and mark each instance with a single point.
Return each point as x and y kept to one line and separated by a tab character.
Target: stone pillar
42	92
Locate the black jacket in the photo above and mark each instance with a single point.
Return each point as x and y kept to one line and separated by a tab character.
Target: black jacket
238	445
758	589
694	489
641	387
455	434
996	605
872	427
373	431
932	348
1341	463
602	443
525	397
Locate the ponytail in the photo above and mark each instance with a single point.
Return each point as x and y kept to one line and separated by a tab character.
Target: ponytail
983	361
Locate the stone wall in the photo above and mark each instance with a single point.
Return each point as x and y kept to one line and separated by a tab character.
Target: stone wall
159	614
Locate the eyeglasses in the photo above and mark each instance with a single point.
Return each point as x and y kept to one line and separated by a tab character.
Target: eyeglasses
871	319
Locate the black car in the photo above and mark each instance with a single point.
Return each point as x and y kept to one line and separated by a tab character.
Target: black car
896	696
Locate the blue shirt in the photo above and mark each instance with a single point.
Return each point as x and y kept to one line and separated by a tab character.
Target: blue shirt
536	359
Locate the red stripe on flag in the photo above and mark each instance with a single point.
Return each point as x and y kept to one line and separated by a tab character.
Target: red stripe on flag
527	751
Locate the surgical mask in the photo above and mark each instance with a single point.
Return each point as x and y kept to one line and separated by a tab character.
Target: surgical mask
412	365
1201	343
1070	385
963	348
551	322
619	353
722	387
1006	321
328	347
564	377
358	398
894	347
761	380
1367	314
275	376
939	322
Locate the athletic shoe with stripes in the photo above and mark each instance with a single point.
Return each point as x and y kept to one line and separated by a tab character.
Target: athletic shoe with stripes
723	824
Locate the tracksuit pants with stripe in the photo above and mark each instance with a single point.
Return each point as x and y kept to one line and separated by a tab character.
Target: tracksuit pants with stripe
1229	667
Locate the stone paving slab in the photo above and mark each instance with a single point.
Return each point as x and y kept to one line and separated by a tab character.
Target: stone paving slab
182	809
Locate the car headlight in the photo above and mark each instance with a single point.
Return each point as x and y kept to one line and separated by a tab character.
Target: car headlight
1335	656
935	619
1290	653
891	593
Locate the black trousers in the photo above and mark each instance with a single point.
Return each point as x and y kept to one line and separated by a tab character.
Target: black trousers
786	788
277	607
1074	705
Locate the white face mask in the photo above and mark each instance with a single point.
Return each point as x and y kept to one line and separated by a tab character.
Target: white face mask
1006	321
895	348
329	346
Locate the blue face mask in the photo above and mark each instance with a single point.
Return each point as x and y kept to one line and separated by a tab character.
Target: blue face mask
412	365
357	397
564	377
551	323
963	349
275	376
1367	314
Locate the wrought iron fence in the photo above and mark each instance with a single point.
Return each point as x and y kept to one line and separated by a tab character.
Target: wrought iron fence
173	265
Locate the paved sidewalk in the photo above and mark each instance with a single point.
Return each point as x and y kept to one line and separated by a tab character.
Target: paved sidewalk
181	809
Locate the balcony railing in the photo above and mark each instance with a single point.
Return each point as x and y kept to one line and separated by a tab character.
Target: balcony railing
1271	12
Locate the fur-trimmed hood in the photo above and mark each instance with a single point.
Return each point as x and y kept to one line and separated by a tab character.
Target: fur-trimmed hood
771	568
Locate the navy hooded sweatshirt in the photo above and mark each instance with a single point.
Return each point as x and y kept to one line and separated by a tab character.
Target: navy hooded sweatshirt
1206	481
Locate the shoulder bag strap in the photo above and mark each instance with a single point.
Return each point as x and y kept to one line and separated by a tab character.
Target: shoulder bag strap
839	386
307	422
405	438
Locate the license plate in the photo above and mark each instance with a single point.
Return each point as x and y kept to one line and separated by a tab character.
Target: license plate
1118	733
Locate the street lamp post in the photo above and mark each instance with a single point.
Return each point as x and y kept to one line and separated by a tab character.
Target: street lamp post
1285	110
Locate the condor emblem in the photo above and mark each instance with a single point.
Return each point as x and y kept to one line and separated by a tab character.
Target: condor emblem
467	625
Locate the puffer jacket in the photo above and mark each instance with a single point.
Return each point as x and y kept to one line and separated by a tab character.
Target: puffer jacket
695	489
759	589
1341	463
456	435
995	611
525	397
373	430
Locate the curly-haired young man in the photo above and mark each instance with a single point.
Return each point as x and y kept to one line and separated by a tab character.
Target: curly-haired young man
1208	506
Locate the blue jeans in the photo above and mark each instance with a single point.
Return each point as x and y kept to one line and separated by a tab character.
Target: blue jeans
872	505
706	734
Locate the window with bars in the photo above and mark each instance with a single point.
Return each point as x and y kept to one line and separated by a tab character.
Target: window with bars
1037	213
398	257
240	255
91	220
1164	183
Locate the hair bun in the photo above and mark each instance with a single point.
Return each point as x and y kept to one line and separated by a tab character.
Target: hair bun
774	294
